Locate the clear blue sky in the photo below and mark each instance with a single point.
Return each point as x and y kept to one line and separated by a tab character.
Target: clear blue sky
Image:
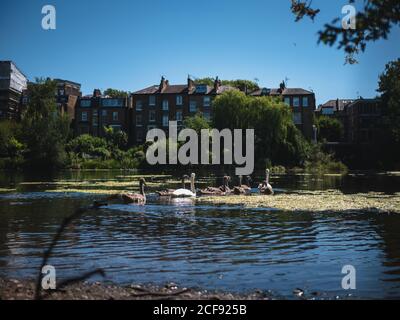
128	45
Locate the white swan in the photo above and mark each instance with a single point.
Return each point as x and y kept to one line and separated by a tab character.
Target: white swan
265	187
185	193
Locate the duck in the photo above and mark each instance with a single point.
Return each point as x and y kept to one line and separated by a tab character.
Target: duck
265	187
132	198
242	188
185	193
220	191
169	192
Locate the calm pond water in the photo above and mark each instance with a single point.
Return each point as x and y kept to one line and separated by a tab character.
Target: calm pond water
225	247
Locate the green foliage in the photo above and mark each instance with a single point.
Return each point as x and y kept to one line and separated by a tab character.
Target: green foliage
389	87
239	83
320	162
277	140
114	93
116	138
45	130
329	129
197	123
375	20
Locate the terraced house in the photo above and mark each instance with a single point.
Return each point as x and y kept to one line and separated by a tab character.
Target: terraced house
302	103
94	112
155	106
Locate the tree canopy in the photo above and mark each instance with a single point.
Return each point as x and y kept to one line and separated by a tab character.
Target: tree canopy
373	22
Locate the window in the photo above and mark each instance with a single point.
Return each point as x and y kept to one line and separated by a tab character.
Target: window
152	100
139	119
296	102
297	118
85	103
207	115
112	102
179	100
139	135
287	101
305	102
165	120
95	118
165	105
139	105
61	92
104	113
179	116
115	116
193	106
206	101
327	111
152	115
84	116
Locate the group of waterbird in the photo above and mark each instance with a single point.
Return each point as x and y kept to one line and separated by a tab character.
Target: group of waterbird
224	190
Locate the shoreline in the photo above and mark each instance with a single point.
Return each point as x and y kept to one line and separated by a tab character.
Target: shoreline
13	289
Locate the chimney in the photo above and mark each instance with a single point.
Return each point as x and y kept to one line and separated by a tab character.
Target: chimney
337	104
163	84
282	86
96	93
190	83
217	84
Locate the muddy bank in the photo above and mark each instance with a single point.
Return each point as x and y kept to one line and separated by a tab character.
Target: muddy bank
11	289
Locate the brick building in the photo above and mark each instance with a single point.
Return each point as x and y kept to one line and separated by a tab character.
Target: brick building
96	111
363	117
302	103
68	93
12	83
155	106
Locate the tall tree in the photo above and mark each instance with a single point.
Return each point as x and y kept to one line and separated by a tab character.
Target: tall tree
114	93
45	130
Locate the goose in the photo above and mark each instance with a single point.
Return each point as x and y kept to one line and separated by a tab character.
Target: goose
169	192
242	188
185	193
265	187
130	198
221	191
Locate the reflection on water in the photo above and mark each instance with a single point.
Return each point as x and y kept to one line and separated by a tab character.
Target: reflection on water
221	247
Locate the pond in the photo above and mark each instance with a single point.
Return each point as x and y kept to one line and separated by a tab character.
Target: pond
224	247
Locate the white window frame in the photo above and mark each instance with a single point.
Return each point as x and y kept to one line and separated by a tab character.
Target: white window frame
191	103
165	105
152	112
296	105
179	100
84	116
165	120
139	105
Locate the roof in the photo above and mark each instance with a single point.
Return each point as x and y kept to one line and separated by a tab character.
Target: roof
11	62
286	91
183	88
68	81
337	104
